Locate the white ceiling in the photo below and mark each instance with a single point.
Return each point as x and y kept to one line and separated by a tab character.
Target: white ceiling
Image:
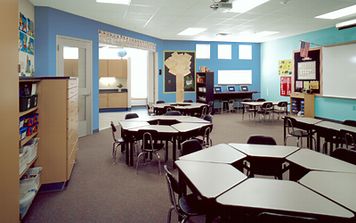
165	18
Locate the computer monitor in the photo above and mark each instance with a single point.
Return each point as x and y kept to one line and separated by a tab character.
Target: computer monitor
231	88
217	89
244	88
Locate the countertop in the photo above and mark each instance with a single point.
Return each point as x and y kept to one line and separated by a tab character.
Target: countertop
105	91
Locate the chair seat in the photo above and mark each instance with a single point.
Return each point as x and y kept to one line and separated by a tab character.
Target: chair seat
191	205
300	133
119	140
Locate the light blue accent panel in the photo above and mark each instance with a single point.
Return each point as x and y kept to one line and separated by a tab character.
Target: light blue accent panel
281	49
335	108
213	64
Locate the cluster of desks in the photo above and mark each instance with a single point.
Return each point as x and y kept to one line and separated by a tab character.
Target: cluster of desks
323	129
324	189
170	128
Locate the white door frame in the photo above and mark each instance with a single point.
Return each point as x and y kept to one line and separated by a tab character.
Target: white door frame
88	45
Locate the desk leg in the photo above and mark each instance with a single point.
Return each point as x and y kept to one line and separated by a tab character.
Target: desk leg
285	131
131	153
127	153
243	112
317	142
166	154
174	148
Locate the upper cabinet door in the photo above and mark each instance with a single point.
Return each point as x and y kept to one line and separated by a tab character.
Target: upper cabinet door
114	68
103	68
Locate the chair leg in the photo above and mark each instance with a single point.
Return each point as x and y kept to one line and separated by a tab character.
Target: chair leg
169	214
159	163
138	160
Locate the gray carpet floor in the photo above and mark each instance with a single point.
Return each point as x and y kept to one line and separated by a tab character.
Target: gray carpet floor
103	191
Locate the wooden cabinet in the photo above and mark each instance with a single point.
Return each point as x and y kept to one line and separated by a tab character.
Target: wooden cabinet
113	68
113	100
302	104
59	129
205	87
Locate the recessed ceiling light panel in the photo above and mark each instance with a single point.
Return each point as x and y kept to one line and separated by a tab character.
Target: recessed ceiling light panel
338	13
242	6
191	31
119	2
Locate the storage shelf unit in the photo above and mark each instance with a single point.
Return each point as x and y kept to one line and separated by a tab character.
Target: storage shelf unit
27	139
204	87
302	104
28	166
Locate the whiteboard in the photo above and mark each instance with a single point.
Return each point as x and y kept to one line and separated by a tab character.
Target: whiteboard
234	76
339	71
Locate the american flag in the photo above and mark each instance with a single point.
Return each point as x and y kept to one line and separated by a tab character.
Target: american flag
304	48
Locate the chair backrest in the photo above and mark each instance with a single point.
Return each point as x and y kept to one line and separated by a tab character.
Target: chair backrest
348	137
346	155
208	118
269	217
147	139
260	99
131	115
206	136
160	102
173	187
260	139
204	111
282	104
173	113
188	101
350	122
290	125
113	130
190	146
267	106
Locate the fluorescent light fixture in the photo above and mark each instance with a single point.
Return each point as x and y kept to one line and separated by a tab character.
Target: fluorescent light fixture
266	33
119	2
191	31
242	6
338	13
346	24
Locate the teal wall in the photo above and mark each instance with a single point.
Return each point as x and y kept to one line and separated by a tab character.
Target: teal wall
281	49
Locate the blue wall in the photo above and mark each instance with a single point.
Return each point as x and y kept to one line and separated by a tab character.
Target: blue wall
273	51
51	22
213	63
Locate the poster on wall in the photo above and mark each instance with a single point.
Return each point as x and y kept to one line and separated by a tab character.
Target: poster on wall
285	85
179	64
26	46
285	67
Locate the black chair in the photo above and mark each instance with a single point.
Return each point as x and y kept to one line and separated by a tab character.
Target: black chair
150	146
247	109
281	108
270	217
348	138
203	111
350	122
160	102
298	133
346	155
262	140
173	113
204	137
150	110
210	108
188	101
131	115
208	118
265	109
185	206
190	146
117	141
262	166
260	99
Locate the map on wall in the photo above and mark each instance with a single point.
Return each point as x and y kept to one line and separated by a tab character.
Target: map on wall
26	46
179	64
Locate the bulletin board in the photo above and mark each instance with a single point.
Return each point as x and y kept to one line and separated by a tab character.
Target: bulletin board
307	72
26	46
180	58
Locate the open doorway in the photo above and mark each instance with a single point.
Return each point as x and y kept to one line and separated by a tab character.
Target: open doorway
74	59
136	80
